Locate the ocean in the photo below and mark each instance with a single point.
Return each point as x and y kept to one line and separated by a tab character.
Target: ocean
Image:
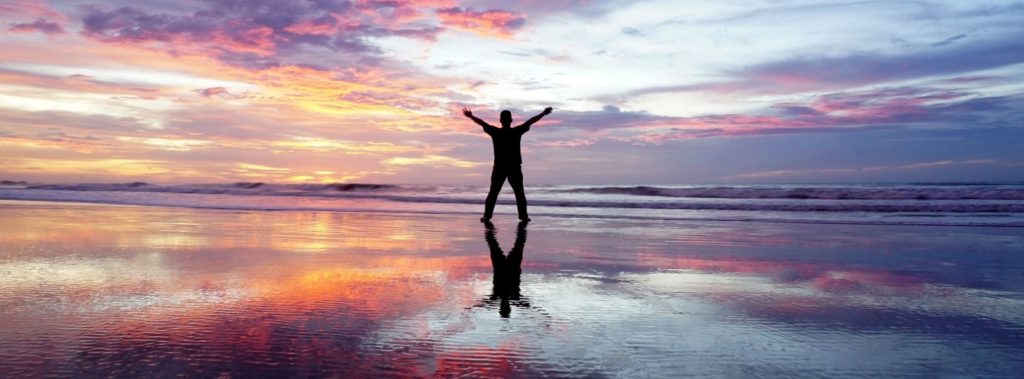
273	280
953	204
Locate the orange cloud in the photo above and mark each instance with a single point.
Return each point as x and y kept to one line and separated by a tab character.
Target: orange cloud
491	22
118	167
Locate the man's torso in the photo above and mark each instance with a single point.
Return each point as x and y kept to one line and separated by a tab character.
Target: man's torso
506	146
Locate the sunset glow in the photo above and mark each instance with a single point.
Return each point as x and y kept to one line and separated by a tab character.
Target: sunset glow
644	92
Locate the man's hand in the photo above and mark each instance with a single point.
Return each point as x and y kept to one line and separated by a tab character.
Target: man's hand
467	112
547	111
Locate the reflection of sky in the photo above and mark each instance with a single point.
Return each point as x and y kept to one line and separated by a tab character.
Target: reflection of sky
319	91
406	295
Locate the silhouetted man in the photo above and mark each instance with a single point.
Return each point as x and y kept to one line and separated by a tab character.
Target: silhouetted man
507	159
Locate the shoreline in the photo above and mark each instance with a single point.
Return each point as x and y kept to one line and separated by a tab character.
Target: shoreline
505	212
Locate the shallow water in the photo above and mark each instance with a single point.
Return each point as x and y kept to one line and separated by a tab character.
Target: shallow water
100	290
967	204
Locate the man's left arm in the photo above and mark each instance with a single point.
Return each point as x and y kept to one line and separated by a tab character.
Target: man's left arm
487	127
525	127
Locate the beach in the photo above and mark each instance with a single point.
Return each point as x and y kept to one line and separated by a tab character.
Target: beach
94	290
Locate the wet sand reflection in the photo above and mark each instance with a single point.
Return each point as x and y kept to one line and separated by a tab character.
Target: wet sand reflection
134	291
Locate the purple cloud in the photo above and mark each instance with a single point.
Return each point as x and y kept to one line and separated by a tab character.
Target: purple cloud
857	111
868	67
259	33
40	25
818	73
213	92
884	108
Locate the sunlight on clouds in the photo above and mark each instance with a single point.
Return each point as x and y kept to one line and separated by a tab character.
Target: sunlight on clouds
67	144
167	143
119	167
367	92
129	75
256	167
381	84
37	100
348	147
249	170
430	160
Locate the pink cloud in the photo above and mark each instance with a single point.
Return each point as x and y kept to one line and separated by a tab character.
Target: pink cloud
491	22
30	8
312	28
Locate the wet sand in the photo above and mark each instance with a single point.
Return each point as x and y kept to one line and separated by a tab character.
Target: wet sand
104	290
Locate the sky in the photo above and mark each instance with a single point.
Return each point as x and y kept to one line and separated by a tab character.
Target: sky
644	92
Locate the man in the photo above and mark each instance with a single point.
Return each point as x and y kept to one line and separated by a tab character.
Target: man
507	159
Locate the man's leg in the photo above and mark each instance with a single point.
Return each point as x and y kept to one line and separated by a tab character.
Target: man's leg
515	179
497	180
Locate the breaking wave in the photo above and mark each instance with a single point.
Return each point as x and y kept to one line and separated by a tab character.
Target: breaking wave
915	192
240	188
919	204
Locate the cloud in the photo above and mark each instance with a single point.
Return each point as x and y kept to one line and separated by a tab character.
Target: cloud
213	91
127	24
25	120
243	32
29	9
867	67
882	108
54	140
848	111
256	167
609	117
817	72
430	160
348	147
389	99
40	25
345	85
950	40
576	142
491	22
169	144
115	167
632	32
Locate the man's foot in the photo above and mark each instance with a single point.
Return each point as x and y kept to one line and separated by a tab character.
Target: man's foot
485	219
524	219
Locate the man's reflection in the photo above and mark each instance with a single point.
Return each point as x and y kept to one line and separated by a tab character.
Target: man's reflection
506	269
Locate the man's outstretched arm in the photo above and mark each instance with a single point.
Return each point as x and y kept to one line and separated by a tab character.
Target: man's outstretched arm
526	125
477	120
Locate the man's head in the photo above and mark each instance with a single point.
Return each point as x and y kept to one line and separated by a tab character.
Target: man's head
506	119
